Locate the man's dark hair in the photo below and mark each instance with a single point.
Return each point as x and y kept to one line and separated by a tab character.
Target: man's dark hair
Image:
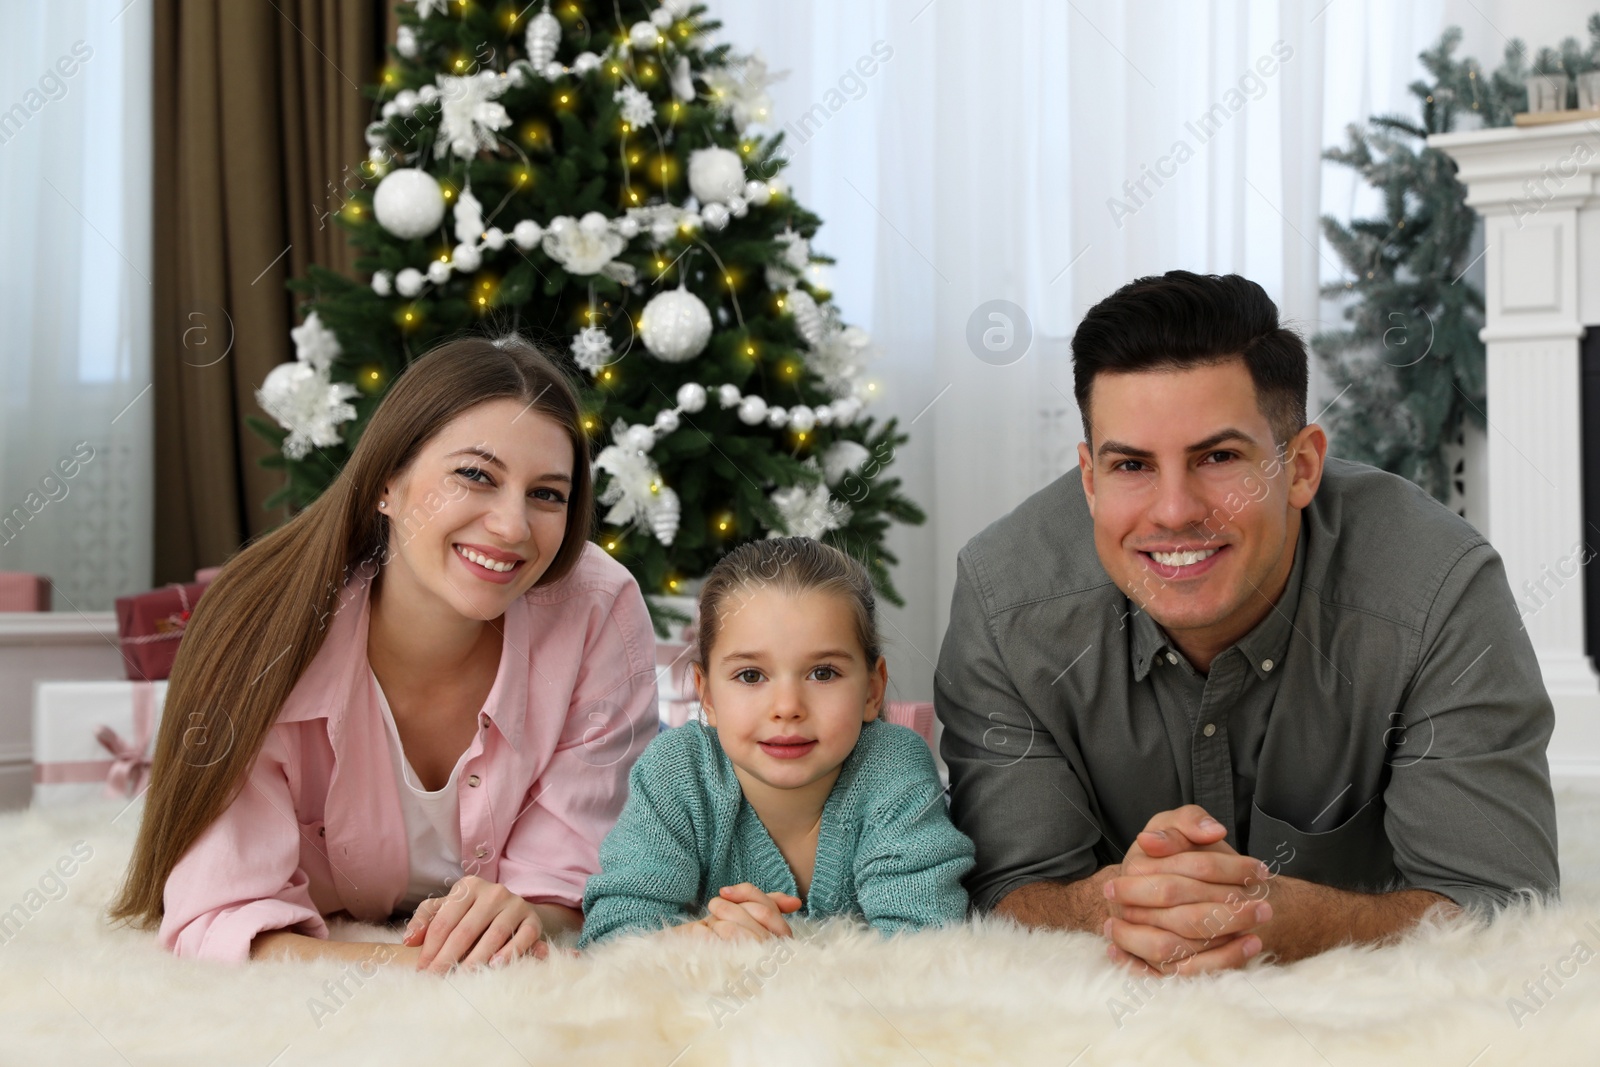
1180	320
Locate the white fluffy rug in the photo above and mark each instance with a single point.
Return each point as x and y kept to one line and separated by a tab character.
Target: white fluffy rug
73	991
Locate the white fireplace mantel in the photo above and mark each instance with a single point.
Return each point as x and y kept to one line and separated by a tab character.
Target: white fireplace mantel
1538	190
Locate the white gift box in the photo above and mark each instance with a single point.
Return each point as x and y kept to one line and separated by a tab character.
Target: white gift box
92	740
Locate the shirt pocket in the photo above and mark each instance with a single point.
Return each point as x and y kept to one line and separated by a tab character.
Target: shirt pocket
1355	855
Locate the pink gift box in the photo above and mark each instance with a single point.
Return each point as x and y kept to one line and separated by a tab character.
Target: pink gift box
918	716
24	592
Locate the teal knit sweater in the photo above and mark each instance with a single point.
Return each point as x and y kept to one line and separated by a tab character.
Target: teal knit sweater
886	850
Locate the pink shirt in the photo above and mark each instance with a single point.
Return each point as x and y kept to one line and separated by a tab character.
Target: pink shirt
318	827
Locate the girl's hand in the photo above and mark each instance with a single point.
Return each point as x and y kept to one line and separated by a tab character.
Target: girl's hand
477	923
744	913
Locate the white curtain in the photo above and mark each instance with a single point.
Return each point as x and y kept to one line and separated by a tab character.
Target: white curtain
76	415
985	160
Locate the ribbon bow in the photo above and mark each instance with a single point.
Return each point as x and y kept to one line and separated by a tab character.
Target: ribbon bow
130	766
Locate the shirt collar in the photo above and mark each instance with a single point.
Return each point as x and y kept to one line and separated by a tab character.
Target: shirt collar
339	675
1263	647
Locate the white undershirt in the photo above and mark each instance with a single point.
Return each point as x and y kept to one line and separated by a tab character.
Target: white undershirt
432	819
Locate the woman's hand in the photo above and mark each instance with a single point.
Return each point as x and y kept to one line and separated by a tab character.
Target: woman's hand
477	923
744	913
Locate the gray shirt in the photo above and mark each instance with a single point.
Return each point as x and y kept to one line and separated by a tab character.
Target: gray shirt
1383	727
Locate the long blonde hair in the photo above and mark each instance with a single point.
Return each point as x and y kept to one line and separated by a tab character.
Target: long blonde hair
262	621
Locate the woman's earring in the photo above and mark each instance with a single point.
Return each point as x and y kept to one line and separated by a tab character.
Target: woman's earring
383	503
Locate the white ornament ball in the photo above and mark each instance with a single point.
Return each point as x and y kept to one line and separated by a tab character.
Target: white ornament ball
846	410
628	227
381	283
841	459
638	439
466	258
662	229
739	207
406	100
802	418
715	174
408	282
527	233
378	156
666	421
715	216
692	397
757	192
375	134
408	203
553	71
777	416
405	42
389	110
752	411
427	94
585	62
438	272
643	35
728	395
661	17
494	238
824	415
675	325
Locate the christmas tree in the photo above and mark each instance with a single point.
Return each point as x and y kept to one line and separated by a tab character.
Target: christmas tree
600	176
1409	370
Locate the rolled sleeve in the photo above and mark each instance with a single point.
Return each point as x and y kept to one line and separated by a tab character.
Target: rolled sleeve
554	846
1470	810
1015	789
242	876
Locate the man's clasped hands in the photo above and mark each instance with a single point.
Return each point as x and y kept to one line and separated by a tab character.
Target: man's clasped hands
1182	901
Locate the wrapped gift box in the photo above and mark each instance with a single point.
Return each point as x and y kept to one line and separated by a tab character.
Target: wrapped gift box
675	682
149	626
92	740
918	716
24	592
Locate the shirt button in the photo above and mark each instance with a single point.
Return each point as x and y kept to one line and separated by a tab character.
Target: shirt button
486	722
482	852
473	780
1172	657
1210	729
1266	664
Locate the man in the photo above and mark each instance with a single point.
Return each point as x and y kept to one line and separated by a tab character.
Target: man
1217	693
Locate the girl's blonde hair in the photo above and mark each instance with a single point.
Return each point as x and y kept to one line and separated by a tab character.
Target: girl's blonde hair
261	622
790	565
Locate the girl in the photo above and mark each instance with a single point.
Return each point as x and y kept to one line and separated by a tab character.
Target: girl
792	797
428	679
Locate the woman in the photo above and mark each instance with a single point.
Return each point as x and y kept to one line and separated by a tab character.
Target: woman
428	679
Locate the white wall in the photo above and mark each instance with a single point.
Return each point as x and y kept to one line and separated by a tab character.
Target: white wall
978	164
